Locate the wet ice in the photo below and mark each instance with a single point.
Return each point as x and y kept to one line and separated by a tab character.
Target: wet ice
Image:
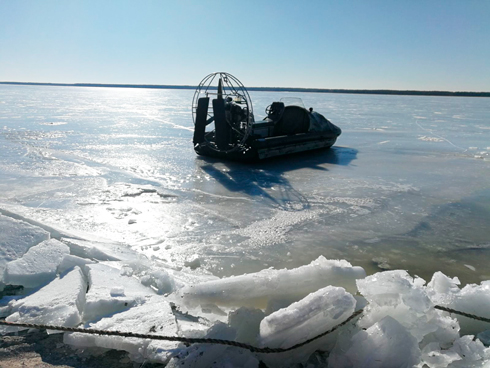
143	223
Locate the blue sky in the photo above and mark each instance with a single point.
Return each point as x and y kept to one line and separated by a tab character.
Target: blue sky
370	44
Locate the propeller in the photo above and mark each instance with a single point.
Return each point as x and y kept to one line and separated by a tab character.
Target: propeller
225	125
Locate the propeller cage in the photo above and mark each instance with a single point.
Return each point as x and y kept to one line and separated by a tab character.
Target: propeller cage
230	111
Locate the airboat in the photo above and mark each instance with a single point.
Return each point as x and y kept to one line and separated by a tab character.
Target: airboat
226	128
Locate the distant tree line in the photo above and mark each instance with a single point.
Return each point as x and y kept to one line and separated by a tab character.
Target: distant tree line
271	89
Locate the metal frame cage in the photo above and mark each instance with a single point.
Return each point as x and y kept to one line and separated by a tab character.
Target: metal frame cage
233	88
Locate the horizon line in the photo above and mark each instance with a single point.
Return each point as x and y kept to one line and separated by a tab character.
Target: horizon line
270	89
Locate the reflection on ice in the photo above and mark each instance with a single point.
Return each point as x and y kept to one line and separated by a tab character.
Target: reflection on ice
382	180
111	176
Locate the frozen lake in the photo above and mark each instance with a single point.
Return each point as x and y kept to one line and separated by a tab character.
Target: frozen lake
407	186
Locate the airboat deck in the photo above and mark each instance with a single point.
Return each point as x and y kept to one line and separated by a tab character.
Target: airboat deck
288	127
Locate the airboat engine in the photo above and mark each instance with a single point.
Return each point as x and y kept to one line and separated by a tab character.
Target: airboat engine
230	111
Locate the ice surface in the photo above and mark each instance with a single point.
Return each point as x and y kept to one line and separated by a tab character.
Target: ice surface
100	250
16	237
155	316
109	292
59	303
37	266
69	262
131	194
380	181
257	289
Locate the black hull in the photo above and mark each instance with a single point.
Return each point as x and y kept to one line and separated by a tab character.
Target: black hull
263	148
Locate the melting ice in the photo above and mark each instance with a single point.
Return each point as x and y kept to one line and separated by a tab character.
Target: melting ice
270	308
109	221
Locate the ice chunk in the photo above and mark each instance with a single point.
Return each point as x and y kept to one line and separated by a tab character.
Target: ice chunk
117	291
37	266
396	294
441	285
110	292
164	278
59	303
16	238
186	276
192	326
311	316
160	280
215	355
155	316
385	344
391	288
101	251
193	262
69	262
473	299
246	322
434	357
257	289
471	351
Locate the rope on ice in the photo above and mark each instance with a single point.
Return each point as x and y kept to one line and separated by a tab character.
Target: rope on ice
469	315
188	340
253	349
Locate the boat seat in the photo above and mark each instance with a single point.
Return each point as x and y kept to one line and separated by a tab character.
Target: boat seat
294	120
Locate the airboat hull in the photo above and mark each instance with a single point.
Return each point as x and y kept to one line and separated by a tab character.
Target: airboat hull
264	148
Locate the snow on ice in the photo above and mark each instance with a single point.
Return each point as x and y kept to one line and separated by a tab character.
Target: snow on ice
71	282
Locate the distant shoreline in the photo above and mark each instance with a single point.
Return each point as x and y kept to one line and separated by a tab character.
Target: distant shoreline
270	89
